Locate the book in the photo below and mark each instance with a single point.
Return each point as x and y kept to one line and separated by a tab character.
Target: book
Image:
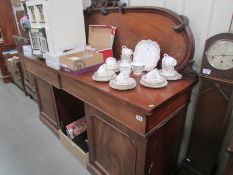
76	128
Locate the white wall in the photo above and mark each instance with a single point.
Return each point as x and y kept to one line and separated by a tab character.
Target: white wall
207	18
86	3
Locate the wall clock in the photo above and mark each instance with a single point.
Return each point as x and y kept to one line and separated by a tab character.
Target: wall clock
214	105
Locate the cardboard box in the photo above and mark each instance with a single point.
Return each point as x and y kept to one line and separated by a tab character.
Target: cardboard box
73	149
80	62
82	71
101	37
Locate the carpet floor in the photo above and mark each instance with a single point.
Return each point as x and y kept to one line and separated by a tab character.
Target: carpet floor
27	146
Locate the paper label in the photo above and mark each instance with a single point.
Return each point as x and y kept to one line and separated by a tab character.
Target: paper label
206	71
74	58
139	118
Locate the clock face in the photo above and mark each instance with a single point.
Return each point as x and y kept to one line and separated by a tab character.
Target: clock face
220	55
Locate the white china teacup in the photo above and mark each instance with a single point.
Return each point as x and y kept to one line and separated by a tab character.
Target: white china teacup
110	61
125	66
153	75
123	78
168	61
126	51
138	68
104	72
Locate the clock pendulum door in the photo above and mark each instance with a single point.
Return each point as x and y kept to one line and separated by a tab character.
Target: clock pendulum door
214	105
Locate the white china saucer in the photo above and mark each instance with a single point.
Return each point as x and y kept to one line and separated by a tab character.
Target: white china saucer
95	77
115	85
176	76
153	84
173	78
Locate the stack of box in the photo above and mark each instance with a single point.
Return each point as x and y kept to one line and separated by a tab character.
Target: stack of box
52	59
81	62
101	39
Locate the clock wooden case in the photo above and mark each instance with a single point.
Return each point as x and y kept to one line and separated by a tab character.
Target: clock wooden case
214	105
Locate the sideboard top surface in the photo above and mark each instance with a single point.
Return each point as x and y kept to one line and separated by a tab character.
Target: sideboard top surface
141	97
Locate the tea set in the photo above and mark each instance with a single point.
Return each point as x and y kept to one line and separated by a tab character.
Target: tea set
153	79
123	82
103	74
168	71
144	59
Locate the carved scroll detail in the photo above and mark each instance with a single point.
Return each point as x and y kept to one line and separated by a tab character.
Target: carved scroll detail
188	70
180	27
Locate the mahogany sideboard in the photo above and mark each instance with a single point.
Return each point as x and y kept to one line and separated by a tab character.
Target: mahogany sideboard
129	132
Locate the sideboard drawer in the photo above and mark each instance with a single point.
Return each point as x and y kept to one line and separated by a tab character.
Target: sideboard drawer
42	71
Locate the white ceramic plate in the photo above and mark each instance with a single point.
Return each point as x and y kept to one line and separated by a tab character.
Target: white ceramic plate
148	53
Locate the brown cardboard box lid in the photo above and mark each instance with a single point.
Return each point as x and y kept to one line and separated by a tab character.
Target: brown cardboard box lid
101	36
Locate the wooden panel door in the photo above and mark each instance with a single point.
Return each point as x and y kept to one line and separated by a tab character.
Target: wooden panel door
114	152
164	145
47	105
111	150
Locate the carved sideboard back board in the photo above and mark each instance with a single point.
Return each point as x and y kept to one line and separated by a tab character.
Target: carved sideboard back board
167	28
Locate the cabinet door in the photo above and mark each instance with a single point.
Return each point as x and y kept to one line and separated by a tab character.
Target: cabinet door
47	105
111	151
164	145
